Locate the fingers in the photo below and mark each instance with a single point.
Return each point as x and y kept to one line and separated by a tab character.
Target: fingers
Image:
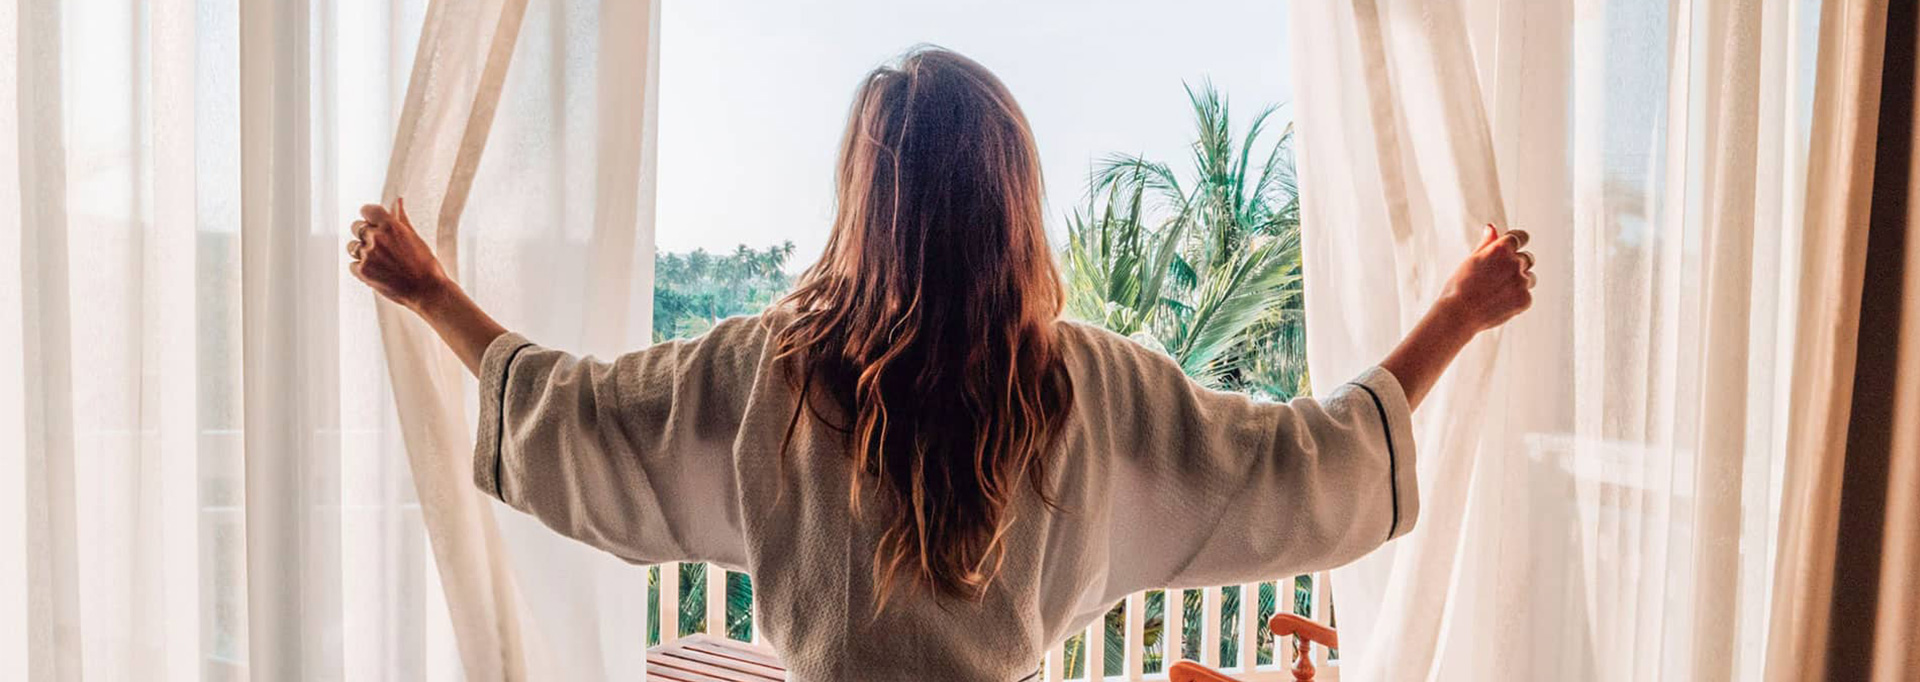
1513	239
1531	279
360	228
1526	260
354	248
376	214
400	207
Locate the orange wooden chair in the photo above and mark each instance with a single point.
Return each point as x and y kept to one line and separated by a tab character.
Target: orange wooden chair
1282	625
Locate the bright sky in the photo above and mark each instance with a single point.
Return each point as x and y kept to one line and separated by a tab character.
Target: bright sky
754	93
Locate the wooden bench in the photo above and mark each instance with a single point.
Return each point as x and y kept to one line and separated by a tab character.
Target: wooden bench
706	658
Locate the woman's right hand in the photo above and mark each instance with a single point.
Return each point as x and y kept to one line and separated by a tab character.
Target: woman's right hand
1493	285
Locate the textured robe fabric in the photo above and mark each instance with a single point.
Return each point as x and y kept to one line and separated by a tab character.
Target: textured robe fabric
673	454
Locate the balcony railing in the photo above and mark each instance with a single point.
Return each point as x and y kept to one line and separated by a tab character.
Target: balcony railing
1084	656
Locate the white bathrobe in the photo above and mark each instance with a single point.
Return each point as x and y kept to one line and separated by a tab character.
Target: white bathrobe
670	454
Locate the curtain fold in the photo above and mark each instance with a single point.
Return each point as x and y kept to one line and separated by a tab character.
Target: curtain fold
1600	477
51	550
562	232
594	606
458	72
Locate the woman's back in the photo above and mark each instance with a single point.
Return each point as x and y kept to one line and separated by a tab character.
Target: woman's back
928	475
674	454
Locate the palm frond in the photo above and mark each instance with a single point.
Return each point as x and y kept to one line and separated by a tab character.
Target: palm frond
1204	265
1230	302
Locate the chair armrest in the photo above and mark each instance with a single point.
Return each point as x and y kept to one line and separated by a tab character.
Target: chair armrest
1189	671
1284	624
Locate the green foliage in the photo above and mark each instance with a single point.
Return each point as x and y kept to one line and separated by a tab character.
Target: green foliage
691	291
1205	267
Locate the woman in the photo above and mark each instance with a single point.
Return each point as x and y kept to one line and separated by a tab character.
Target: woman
928	473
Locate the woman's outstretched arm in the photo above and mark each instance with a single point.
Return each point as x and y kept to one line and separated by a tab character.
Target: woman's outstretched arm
392	258
618	454
1285	488
1493	285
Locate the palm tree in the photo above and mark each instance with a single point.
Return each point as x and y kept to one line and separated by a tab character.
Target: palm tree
1205	267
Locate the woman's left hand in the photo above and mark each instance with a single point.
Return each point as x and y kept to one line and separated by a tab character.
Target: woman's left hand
392	258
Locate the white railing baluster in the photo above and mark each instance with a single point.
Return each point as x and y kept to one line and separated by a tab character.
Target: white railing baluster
1250	626
1283	649
716	601
1095	649
669	603
1136	647
1322	613
1175	629
1210	627
1056	662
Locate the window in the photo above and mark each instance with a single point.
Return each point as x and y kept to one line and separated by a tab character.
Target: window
748	136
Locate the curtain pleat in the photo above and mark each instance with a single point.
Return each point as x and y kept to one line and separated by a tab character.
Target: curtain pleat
287	284
1732	123
169	567
52	542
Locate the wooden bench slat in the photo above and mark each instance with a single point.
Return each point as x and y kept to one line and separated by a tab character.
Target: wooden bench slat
742	651
705	658
662	668
734	666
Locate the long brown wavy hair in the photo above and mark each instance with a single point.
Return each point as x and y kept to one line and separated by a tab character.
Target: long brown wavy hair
930	320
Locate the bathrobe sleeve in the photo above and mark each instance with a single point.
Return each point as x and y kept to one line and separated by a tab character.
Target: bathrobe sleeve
1212	488
632	456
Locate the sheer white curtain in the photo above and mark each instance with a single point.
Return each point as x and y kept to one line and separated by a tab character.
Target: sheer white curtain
556	241
1600	480
205	476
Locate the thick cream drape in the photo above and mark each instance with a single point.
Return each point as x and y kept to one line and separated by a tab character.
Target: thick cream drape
1839	204
1601	477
